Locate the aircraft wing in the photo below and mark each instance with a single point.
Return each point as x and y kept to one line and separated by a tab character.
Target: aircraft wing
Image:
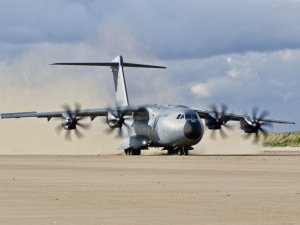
92	113
236	117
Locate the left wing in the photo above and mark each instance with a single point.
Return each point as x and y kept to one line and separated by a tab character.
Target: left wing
92	113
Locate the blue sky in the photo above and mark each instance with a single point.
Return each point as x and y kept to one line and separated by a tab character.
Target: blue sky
242	53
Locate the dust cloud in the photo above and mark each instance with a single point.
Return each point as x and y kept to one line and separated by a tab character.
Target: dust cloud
234	143
29	83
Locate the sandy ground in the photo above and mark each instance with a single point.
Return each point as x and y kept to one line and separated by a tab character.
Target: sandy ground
150	190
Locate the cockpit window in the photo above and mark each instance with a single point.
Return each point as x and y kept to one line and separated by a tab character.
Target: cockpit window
190	116
187	116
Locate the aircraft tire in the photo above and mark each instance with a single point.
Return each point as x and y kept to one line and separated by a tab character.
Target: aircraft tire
170	151
180	151
136	152
186	152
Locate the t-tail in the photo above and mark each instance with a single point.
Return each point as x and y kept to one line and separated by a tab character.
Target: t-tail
117	66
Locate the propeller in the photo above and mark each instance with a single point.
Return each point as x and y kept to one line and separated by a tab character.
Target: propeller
71	122
218	120
256	125
116	119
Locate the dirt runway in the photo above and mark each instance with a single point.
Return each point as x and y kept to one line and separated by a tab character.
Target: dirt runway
150	190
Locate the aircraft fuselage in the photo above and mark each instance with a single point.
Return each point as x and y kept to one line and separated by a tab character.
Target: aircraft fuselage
161	126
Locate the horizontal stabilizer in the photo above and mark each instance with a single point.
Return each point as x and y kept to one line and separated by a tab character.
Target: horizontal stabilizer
17	115
112	64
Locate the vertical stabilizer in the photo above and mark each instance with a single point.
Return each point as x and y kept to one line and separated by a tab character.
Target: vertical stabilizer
119	81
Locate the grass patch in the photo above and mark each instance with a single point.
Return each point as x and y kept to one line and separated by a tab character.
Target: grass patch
283	139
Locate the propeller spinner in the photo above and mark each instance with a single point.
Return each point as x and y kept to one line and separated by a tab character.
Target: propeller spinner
255	125
217	120
116	119
71	121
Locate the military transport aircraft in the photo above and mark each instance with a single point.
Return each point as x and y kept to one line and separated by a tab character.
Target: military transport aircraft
175	128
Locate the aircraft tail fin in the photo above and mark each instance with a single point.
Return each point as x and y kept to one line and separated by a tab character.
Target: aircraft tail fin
118	73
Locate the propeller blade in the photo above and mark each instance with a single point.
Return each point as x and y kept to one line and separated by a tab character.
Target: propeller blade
120	132
223	134
256	138
119	121
247	136
78	134
215	111
263	115
223	109
68	135
109	130
220	119
229	127
59	128
77	107
263	131
73	121
254	113
212	135
258	124
66	107
84	126
266	124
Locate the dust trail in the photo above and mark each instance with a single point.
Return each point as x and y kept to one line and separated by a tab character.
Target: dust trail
235	143
28	83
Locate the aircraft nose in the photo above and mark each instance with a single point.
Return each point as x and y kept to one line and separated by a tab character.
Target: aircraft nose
192	129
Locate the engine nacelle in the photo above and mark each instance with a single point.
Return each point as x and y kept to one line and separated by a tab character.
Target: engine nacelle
112	121
68	123
136	142
248	126
213	124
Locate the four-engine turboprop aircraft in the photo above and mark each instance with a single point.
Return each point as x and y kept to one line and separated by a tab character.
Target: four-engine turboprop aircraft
174	128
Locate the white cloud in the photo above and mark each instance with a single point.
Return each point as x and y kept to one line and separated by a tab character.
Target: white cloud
201	90
162	29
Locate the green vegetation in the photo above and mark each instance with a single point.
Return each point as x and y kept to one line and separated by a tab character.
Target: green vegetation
284	139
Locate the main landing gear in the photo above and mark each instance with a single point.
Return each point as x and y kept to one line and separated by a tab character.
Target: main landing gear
183	150
132	151
179	151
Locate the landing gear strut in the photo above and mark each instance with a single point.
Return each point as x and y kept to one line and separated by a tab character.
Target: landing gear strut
183	151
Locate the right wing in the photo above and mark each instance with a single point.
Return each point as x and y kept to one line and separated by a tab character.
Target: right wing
236	117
